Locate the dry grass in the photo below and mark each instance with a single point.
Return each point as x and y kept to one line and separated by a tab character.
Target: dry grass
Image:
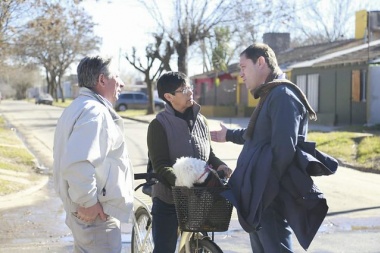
358	147
16	162
132	113
7	187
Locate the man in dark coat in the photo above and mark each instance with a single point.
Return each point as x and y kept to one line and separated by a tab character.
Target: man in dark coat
271	186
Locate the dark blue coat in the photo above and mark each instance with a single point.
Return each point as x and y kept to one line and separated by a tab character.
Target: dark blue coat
277	162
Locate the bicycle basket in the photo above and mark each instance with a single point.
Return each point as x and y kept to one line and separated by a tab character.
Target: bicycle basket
202	209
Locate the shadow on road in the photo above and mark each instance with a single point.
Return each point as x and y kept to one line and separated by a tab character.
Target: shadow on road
353	210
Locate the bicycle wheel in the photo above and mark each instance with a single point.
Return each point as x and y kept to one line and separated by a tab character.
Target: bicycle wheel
142	239
204	246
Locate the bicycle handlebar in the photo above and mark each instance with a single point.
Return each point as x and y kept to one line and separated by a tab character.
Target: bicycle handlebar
147	176
150	179
140	176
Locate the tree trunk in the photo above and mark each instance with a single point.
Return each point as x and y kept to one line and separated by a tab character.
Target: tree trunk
47	81
182	57
60	89
149	85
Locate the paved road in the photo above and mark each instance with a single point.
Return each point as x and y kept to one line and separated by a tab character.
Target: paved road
34	222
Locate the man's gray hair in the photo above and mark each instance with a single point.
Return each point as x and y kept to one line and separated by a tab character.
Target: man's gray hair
90	68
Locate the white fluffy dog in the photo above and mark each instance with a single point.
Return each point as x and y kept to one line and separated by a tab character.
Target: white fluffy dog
189	170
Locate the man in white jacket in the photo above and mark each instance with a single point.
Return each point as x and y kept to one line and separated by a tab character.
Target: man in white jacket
92	172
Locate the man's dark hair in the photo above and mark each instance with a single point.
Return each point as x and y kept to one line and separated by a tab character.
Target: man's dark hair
257	50
169	82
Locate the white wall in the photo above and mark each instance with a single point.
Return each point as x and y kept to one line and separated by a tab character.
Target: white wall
373	104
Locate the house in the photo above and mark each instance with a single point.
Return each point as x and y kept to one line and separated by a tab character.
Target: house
341	79
340	84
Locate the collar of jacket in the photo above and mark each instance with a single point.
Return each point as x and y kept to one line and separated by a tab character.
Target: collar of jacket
90	93
196	109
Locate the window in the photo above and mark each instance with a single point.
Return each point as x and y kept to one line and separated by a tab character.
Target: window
358	86
126	96
139	96
309	84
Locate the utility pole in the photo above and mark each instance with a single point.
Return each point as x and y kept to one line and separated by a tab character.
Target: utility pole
119	60
368	33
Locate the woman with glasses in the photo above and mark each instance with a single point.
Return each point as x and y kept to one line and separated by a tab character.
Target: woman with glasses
179	130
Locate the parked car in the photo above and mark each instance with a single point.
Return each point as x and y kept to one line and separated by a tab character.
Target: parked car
136	100
44	98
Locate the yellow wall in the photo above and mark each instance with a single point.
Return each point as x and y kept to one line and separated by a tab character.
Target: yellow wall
360	24
252	102
288	74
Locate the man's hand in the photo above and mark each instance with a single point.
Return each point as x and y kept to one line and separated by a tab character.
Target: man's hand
89	214
220	135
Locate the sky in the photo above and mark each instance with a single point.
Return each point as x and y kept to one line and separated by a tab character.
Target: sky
123	24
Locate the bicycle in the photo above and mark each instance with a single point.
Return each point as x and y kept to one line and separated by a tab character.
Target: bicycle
193	235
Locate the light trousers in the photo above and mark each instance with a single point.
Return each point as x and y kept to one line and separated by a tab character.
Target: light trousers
96	237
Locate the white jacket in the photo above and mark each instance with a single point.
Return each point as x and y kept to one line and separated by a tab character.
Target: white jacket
91	163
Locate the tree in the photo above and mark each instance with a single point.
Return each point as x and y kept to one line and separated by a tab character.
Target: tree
11	11
18	79
57	38
256	17
162	51
219	46
335	22
193	21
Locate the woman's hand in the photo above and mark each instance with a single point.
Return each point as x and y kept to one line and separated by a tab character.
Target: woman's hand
226	169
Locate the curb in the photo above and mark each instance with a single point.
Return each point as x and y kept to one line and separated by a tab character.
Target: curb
39	184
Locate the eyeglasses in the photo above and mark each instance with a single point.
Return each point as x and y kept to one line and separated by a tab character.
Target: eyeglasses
185	90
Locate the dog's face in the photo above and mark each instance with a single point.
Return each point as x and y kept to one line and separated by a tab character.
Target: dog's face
189	170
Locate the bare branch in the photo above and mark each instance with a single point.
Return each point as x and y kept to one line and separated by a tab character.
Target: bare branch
150	70
58	37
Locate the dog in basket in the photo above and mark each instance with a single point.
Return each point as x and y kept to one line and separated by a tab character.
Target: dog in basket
199	207
191	172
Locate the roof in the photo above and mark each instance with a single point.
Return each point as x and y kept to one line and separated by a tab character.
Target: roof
350	53
213	73
305	53
342	52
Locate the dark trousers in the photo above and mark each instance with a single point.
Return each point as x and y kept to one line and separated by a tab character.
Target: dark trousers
164	227
275	235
